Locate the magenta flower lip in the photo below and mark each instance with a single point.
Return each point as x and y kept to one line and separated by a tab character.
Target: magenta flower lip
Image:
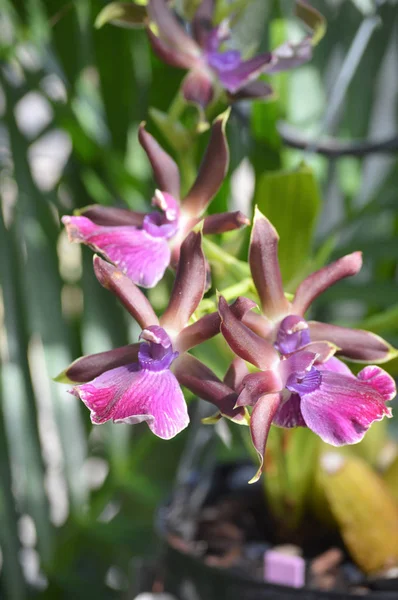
211	65
141	382
143	245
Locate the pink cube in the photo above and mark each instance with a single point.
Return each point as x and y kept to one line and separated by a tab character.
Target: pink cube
284	569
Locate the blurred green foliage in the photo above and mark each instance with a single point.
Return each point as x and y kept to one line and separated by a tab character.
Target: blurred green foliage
77	503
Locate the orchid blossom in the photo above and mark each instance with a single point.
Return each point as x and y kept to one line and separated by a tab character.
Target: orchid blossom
213	68
300	382
143	245
140	382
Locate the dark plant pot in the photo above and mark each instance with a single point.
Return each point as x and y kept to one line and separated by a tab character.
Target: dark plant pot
188	577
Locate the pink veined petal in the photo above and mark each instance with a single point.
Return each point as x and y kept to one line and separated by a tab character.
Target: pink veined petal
336	366
289	413
380	381
139	255
321	280
129	395
235	79
260	424
342	409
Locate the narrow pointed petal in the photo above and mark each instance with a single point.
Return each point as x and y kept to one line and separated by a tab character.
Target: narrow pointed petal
212	171
126	291
342	408
253	91
244	342
170	30
235	79
169	54
354	344
202	22
222	222
198	378
380	381
260	424
89	367
289	413
236	373
189	284
130	395
141	256
165	169
197	87
264	266
112	216
203	329
256	385
318	282
289	56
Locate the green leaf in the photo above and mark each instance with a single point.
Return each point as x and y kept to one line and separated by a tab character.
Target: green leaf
122	14
291	201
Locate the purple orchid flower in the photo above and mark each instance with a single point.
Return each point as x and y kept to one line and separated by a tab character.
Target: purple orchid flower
211	67
140	382
144	245
306	387
301	382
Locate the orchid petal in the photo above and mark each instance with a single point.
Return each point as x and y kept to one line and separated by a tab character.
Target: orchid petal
165	169
259	324
236	373
203	329
289	413
235	79
342	408
222	222
318	282
336	366
243	341
253	91
131	395
324	351
212	171
289	56
264	265
198	378
256	385
143	257
197	87
297	364
112	216
355	344
260	424
169	54
189	284
126	291
88	367
202	22
380	381
170	30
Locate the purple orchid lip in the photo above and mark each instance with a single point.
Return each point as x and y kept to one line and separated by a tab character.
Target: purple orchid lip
293	333
156	353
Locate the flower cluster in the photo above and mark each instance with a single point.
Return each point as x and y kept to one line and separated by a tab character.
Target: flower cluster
286	369
214	65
